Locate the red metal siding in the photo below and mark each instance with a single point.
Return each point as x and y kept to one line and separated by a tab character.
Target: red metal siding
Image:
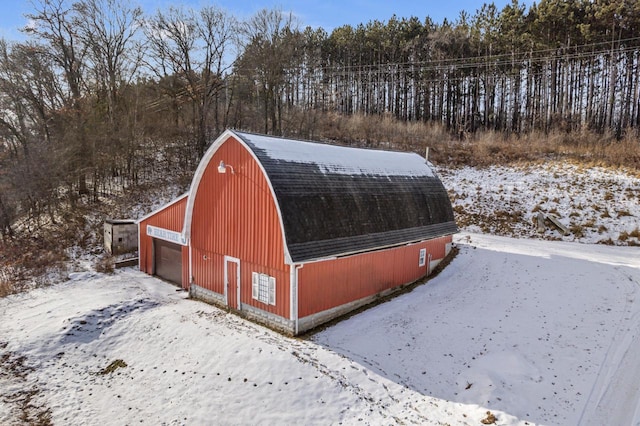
171	218
234	214
327	284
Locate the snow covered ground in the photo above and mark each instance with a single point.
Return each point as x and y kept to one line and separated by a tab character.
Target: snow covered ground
598	205
533	331
530	330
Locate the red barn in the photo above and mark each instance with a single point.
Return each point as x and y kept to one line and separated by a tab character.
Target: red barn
293	234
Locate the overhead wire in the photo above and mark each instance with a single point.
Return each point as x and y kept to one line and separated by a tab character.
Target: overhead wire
451	66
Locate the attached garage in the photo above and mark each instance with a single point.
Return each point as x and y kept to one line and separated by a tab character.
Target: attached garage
293	233
163	251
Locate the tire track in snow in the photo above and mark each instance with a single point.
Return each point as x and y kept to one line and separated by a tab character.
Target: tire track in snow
615	396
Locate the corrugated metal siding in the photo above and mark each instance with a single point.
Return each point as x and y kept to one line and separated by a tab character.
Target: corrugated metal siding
172	218
234	214
282	288
327	284
208	269
437	247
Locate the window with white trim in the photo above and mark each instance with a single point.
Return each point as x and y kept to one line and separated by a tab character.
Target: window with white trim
263	288
423	257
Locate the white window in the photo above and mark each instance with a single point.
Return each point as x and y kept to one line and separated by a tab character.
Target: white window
263	288
423	257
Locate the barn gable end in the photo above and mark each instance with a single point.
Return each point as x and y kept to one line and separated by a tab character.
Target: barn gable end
235	225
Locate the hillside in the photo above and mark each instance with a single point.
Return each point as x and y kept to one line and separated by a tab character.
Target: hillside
598	205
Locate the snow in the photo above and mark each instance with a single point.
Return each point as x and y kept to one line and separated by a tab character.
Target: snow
532	326
340	159
599	205
532	330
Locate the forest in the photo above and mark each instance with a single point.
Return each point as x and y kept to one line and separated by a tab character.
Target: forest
101	99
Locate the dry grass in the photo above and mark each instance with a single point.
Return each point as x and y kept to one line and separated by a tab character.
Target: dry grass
6	288
28	263
33	258
105	264
118	363
12	278
482	148
577	230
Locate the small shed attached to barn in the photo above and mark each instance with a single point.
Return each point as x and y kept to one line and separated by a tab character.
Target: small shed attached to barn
293	233
120	236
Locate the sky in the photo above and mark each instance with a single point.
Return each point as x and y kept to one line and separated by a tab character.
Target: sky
327	14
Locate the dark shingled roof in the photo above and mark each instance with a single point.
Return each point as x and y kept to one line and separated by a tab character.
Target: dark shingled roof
338	200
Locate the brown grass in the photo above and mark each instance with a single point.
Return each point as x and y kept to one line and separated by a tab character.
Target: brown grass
29	258
105	264
118	363
577	230
5	288
482	148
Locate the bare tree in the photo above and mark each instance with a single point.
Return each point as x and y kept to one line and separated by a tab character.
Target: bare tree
190	49
108	29
29	96
272	44
55	29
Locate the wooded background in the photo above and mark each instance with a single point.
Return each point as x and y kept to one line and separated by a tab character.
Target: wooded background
101	98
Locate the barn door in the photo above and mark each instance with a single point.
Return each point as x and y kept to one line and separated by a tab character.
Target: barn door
232	281
167	261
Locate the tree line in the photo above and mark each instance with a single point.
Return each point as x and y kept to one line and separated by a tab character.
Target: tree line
569	64
100	97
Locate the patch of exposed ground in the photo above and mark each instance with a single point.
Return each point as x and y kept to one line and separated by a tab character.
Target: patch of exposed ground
20	396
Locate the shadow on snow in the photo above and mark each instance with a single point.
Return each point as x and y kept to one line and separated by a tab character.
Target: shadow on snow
88	327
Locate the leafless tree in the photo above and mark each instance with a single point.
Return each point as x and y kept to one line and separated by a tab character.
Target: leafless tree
55	30
29	96
271	48
190	50
110	31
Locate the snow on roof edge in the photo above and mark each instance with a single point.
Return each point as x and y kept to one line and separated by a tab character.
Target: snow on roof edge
341	159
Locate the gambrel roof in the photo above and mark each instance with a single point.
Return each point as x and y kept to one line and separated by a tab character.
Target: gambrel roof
336	200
